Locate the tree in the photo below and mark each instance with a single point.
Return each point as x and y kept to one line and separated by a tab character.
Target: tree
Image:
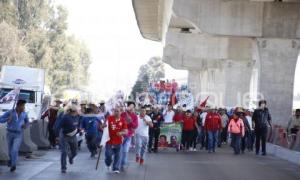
152	71
33	33
12	50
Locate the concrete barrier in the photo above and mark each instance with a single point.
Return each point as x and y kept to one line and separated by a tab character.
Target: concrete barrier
274	137
284	153
296	146
3	144
292	141
273	133
282	138
38	133
269	134
27	145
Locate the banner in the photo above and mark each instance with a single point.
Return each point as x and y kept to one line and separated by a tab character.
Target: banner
186	98
10	96
170	135
118	100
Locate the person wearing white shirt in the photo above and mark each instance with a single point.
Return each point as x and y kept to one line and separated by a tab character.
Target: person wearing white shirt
203	136
142	135
203	117
251	138
169	114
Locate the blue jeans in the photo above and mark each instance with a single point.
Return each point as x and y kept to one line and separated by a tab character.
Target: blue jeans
91	141
212	140
68	147
14	140
141	145
236	143
112	155
124	151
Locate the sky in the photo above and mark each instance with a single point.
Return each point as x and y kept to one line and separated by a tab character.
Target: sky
110	30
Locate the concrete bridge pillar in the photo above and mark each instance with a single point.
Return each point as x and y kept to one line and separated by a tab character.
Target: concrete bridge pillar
227	83
194	79
237	83
278	58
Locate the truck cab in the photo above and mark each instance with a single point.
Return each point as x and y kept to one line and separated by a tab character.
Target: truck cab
32	97
31	84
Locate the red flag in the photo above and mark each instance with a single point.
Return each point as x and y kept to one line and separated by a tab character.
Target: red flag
173	98
203	104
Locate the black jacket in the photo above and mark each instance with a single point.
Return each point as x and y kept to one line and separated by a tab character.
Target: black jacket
261	118
157	119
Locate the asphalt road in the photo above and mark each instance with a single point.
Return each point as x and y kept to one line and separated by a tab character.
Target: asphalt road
166	165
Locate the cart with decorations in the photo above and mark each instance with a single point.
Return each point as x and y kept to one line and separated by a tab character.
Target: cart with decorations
160	94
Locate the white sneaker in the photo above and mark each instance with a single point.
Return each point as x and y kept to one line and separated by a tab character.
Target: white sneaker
116	171
108	169
194	149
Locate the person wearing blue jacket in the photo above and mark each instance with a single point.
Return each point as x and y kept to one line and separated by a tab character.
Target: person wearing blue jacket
16	120
91	124
66	128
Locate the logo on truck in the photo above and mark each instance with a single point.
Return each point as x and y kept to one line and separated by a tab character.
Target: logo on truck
19	81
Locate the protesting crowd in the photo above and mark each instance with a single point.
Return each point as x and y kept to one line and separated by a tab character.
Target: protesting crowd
131	126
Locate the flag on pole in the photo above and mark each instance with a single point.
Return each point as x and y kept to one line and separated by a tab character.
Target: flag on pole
173	98
203	103
104	139
105	136
10	96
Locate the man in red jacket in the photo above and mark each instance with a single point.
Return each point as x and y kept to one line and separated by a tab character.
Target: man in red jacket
132	123
212	126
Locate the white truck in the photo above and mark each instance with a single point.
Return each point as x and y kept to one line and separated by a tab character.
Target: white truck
31	82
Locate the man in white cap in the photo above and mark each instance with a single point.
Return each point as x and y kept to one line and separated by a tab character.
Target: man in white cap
66	127
52	113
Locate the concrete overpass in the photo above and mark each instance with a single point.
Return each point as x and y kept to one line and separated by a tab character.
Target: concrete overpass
238	51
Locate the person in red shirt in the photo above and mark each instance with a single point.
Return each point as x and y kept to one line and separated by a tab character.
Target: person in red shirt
168	87
132	123
212	126
189	124
178	117
174	85
117	128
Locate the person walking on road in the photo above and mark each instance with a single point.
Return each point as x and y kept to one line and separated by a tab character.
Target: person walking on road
142	135
237	130
90	124
132	123
52	113
262	119
189	126
17	121
66	128
213	126
154	132
117	128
